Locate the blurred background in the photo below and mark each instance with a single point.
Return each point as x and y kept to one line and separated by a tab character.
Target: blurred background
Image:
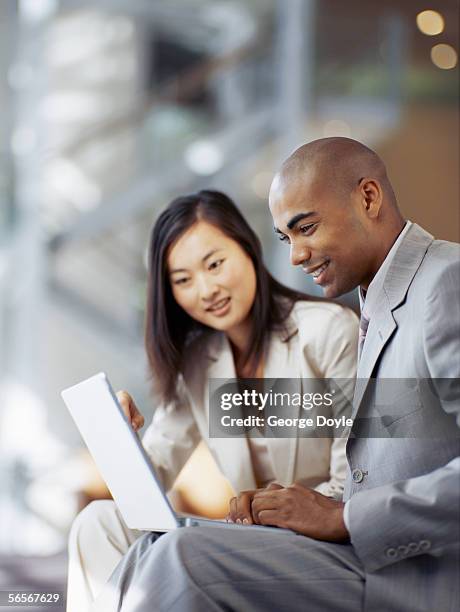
111	108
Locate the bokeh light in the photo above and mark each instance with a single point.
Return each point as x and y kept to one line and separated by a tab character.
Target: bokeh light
444	56
430	23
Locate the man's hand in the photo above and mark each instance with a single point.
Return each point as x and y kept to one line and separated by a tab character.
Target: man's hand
302	510
240	506
130	409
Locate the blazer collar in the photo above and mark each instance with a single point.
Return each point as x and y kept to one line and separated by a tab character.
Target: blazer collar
382	325
280	360
280	363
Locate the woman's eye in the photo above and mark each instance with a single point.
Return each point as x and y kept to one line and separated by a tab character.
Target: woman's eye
180	281
216	264
307	229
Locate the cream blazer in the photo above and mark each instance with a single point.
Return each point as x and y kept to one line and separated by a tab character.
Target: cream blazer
321	343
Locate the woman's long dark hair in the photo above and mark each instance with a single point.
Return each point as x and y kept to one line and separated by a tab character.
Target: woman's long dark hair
168	327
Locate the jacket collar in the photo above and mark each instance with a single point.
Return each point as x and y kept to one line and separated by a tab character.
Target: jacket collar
401	272
405	264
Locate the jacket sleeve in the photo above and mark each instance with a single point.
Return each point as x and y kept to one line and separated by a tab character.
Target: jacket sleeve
336	355
171	437
421	514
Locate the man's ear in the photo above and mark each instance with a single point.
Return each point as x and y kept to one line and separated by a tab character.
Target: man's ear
371	194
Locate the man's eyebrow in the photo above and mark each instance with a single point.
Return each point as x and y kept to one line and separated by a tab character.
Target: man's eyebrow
296	218
203	260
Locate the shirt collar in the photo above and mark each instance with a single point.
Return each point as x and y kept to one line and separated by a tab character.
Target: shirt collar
368	299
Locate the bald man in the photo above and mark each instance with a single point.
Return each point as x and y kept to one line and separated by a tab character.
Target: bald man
339	187
393	544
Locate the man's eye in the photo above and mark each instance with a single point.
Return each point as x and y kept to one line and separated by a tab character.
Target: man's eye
307	229
216	264
283	238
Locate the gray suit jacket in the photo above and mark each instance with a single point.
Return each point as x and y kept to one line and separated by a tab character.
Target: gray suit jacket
404	483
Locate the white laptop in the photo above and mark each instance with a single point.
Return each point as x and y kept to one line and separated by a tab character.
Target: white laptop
123	462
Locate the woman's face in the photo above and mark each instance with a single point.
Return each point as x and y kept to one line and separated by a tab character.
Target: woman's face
212	277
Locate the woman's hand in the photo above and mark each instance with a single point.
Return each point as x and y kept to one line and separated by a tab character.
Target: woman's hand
130	409
240	506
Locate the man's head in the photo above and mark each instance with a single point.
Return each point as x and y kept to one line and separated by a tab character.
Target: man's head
333	203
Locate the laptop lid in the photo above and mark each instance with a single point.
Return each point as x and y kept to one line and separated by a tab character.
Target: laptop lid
119	455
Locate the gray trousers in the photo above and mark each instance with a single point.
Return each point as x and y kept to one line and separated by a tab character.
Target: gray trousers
200	569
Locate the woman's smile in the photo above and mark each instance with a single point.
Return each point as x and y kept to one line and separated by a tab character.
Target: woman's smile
220	307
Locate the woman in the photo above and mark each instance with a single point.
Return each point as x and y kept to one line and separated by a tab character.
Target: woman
214	311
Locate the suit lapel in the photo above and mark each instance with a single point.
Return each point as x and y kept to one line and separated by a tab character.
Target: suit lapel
401	271
381	328
233	453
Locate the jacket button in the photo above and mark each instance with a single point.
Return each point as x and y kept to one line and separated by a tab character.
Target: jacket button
391	553
403	550
413	547
424	544
357	475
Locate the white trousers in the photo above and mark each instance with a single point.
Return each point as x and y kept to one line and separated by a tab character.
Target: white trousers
98	540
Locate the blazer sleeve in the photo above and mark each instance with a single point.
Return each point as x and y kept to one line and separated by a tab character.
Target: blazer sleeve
171	437
427	506
336	355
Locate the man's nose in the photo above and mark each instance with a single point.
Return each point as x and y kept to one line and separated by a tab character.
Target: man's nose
299	254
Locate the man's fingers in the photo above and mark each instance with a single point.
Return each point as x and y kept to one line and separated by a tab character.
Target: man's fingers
266	495
274	486
240	508
261	503
270	517
265	503
232	510
243	513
